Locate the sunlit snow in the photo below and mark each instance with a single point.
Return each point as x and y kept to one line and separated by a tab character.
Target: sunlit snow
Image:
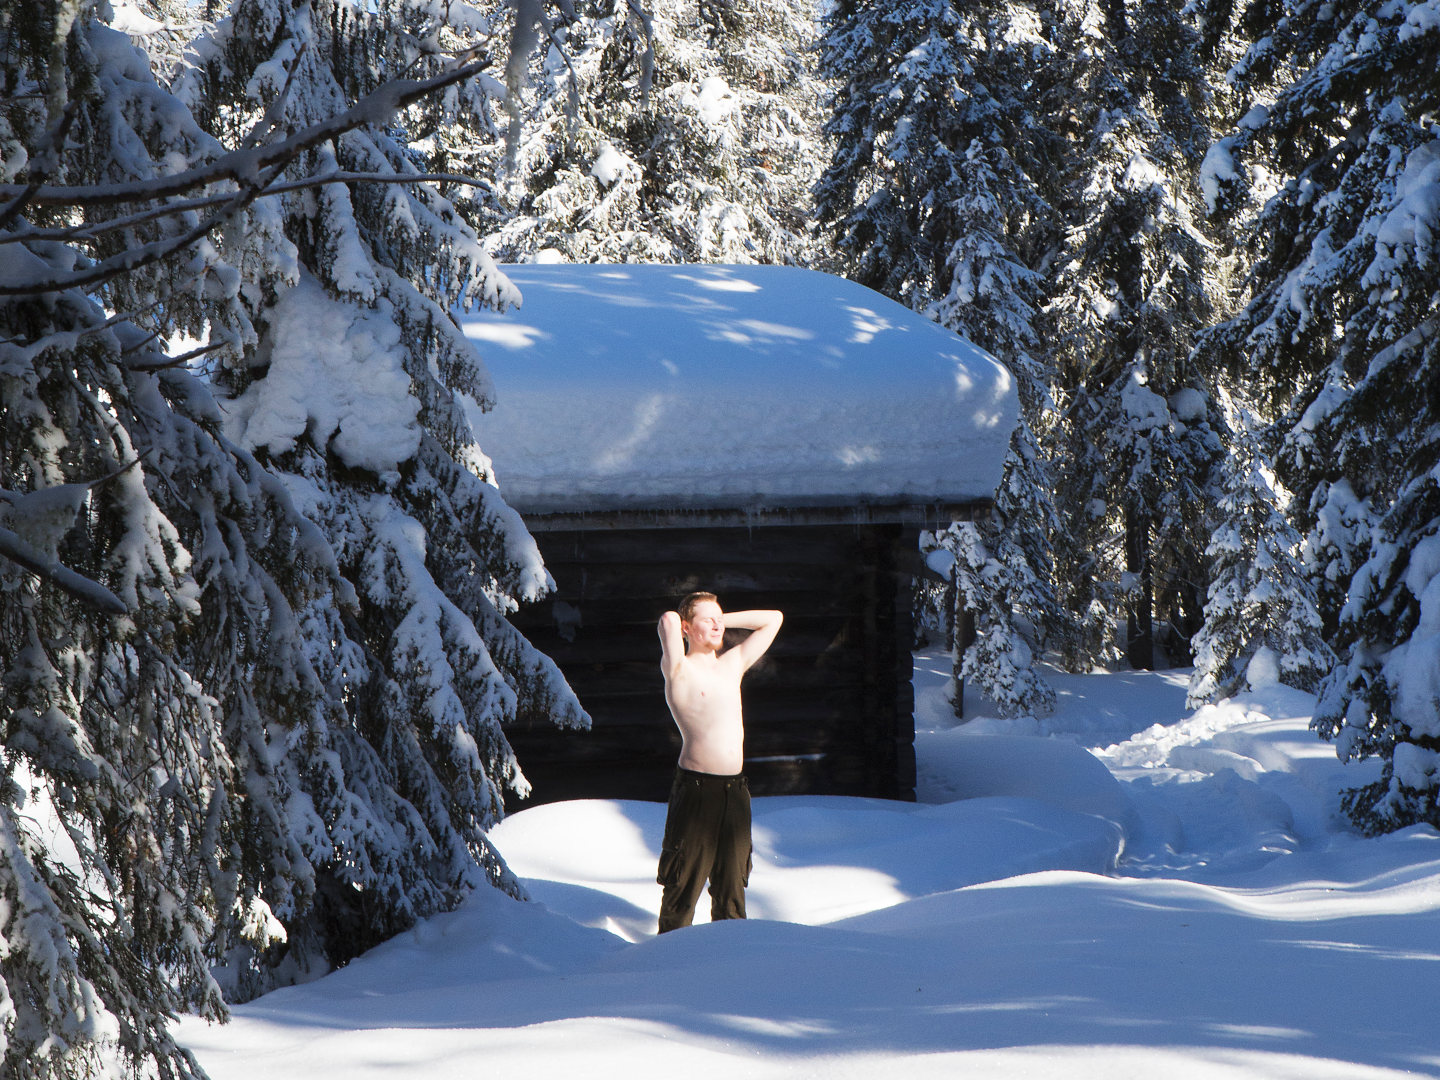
731	386
1124	889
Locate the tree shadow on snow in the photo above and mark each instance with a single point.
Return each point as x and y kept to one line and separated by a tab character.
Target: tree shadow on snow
1337	970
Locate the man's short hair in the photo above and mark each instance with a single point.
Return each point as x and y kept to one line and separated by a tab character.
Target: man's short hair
687	606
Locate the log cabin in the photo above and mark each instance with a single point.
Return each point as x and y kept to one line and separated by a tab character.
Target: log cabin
777	436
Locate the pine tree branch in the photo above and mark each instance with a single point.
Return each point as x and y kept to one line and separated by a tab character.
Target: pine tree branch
254	170
242	166
88	592
184	358
1403	346
21	552
275	111
46	156
92	230
146	254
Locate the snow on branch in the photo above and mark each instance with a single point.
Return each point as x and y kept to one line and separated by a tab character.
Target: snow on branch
530	24
44	160
62	577
94	229
42	516
254	169
1409	343
243	166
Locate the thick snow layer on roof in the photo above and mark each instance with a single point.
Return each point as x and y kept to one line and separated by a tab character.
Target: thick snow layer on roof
731	386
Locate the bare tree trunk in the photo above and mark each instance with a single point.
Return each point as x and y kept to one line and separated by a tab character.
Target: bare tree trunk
1140	605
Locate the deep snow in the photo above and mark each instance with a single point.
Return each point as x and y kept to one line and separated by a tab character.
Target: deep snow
1125	889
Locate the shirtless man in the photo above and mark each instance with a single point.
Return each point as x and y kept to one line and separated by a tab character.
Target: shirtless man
707	829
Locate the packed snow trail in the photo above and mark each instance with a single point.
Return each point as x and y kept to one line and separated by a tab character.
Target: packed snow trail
1196	911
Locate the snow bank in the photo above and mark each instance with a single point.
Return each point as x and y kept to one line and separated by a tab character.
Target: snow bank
1254	937
1052	771
1232	787
731	387
817	859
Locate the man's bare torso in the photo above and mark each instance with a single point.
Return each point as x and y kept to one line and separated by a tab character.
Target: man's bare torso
704	699
702	683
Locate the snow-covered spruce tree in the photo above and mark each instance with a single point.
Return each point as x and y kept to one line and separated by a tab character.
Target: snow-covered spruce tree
1001	660
1004	560
113	821
667	132
1259	596
931	140
1340	335
1134	447
119	821
360	393
1002	226
183	757
1265	592
936	194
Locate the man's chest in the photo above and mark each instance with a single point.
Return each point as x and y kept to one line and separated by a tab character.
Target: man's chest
707	689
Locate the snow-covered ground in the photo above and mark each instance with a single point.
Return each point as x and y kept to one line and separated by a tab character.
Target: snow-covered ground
1125	889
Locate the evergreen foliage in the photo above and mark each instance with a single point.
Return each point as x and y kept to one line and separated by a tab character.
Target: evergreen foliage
1001	661
254	568
1338	340
937	194
1260	597
665	132
1025	173
429	552
1133	444
935	191
119	822
252	687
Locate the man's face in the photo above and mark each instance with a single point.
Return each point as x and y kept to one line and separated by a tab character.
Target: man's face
706	628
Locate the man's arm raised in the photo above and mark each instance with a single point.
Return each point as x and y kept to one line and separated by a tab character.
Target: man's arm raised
763	626
672	643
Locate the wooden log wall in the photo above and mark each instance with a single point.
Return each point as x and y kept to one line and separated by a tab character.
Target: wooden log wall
829	710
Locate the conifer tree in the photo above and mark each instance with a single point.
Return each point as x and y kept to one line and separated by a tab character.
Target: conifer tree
930	143
119	823
1339	337
1001	661
1025	172
360	394
937	194
205	702
1260	597
667	132
1134	447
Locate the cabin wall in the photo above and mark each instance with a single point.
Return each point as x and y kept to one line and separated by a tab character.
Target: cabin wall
829	710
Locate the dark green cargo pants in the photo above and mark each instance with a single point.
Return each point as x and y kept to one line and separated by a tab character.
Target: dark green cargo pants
707	835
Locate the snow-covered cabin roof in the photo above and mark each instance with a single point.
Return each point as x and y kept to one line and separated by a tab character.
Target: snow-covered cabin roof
723	387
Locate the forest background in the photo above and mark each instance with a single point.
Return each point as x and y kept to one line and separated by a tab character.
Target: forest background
253	644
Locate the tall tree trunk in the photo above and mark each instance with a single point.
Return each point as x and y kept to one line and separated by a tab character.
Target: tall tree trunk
1140	606
963	635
